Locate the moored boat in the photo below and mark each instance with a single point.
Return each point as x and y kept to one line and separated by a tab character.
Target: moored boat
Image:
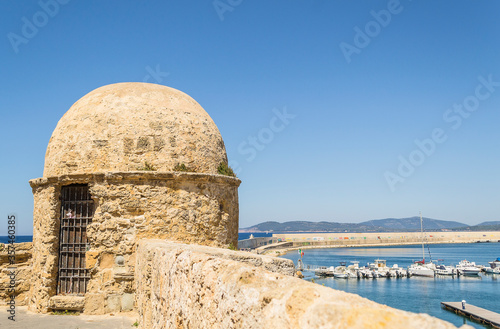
445	270
495	263
419	269
340	271
321	271
468	268
340	275
490	270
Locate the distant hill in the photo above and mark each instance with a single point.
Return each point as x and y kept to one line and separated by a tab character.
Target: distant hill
413	223
377	225
483	227
489	223
304	226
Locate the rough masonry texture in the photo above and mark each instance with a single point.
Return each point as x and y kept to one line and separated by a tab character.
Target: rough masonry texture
123	143
181	286
121	126
22	268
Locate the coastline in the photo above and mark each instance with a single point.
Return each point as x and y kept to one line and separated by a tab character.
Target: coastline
295	241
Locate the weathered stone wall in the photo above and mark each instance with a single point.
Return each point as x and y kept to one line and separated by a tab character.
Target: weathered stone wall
188	207
181	286
23	254
46	226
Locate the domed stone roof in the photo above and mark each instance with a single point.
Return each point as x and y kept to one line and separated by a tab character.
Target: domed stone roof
124	126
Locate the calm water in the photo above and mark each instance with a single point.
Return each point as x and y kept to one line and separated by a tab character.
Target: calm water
19	238
416	294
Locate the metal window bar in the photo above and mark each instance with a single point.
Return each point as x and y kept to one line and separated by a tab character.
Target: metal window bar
77	210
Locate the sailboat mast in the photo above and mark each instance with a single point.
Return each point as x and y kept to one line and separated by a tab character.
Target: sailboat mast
422	232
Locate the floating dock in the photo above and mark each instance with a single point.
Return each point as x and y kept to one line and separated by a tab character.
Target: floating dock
475	313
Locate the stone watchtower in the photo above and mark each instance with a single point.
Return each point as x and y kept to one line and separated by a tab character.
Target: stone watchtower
127	161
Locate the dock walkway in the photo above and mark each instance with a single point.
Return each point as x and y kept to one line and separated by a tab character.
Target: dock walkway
475	313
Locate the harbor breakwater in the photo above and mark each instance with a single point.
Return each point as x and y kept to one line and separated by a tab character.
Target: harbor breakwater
332	240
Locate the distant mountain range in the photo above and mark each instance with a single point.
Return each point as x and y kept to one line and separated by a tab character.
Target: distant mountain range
376	225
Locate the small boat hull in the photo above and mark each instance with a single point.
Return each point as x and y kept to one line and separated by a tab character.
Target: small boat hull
340	275
470	271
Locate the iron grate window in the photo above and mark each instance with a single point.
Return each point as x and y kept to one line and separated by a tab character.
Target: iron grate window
77	210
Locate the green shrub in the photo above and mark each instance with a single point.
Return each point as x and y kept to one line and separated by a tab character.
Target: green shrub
232	246
147	167
65	312
182	167
224	169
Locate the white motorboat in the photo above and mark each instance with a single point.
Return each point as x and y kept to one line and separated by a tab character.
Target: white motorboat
492	270
471	271
330	271
379	268
401	273
445	270
367	274
468	268
418	269
397	271
340	275
340	272
321	271
495	263
354	266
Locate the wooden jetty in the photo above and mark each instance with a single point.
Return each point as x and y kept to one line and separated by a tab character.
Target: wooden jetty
475	313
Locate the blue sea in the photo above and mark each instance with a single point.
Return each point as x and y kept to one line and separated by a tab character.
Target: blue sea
19	238
415	294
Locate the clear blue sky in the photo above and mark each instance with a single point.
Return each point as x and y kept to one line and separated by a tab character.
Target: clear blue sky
362	79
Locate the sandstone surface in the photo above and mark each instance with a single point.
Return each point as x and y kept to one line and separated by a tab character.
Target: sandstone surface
122	126
22	269
193	287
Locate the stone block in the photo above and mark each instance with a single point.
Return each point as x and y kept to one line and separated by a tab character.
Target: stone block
72	303
107	260
113	303
127	302
94	304
91	258
107	275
